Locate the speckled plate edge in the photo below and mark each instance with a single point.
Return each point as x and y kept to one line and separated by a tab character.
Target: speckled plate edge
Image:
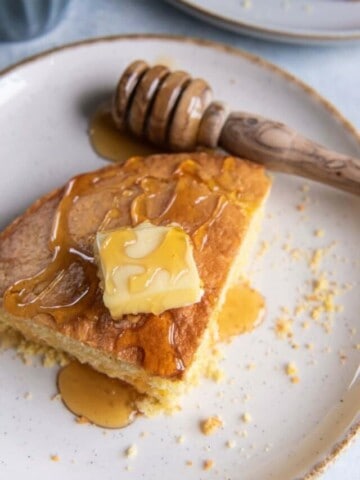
354	430
273	34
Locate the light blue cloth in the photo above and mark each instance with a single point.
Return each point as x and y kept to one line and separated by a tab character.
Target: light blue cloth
24	19
333	71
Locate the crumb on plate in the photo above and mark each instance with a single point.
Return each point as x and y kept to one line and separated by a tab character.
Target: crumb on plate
210	425
208	464
132	451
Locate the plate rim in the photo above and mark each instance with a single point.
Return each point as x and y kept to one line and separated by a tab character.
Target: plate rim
215	45
353	431
241	26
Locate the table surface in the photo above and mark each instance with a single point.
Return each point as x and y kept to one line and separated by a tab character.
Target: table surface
332	71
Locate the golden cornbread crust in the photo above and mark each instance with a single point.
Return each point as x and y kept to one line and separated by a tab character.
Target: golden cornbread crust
211	197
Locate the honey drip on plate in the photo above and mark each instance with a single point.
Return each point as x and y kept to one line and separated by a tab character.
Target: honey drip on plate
104	401
111	144
242	311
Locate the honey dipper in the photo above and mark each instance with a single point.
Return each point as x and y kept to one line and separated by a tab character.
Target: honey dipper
173	110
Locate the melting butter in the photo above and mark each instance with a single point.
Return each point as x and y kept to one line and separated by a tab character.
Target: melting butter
147	269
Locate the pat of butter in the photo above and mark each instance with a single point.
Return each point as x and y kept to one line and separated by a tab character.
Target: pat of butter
147	269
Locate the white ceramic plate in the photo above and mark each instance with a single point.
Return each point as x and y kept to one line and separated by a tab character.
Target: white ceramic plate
296	429
295	21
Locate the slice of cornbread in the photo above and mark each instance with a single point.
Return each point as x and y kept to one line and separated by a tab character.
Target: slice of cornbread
49	279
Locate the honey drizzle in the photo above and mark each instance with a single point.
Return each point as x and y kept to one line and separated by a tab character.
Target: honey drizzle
189	189
65	254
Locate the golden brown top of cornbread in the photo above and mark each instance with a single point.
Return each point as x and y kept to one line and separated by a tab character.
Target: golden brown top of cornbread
210	196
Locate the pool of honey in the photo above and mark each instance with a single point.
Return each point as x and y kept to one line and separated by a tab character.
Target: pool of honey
104	401
111	144
243	311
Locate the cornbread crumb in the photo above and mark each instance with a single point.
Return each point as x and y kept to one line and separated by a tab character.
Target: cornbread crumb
300	207
295	379
246	397
144	434
251	366
56	396
319	233
132	451
55	458
316	312
28	395
208	464
283	327
305	325
310	346
217	353
180	439
316	258
189	463
10	338
320	284
211	425
318	255
231	444
246	417
213	372
291	369
81	420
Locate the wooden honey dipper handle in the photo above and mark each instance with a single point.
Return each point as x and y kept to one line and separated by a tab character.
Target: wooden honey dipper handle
278	147
173	110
